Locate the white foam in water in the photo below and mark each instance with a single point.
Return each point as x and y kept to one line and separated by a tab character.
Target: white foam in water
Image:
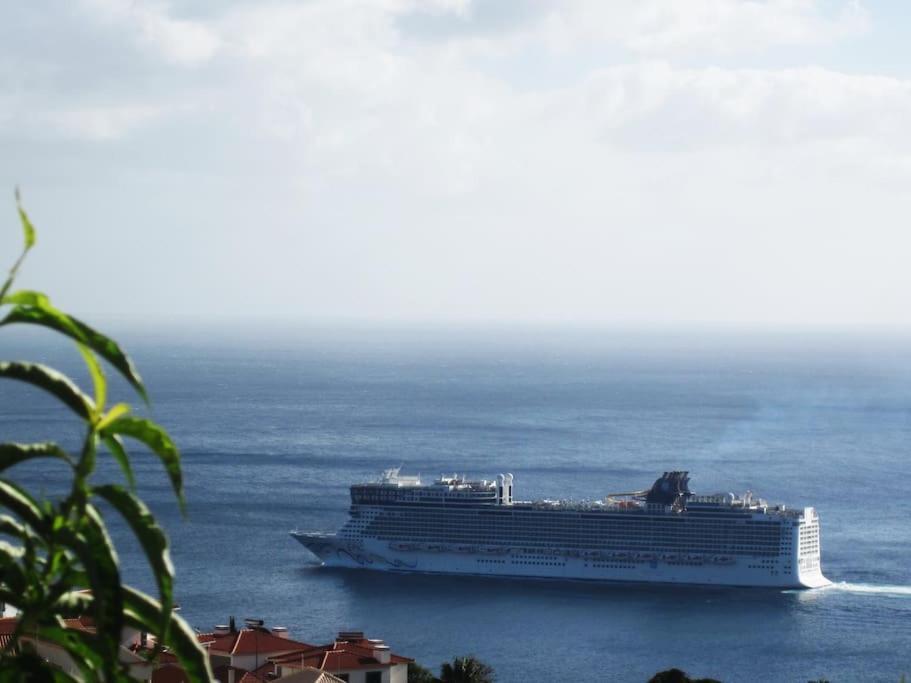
904	591
862	588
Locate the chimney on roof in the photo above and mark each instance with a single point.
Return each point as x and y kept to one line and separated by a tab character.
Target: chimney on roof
231	625
349	636
280	631
382	654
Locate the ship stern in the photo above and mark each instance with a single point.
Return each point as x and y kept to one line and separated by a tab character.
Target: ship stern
807	558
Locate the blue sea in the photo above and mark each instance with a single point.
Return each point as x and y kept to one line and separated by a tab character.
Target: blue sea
275	423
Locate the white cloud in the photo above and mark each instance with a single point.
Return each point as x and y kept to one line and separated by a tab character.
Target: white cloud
790	106
357	99
178	41
95	123
652	27
729	26
585	160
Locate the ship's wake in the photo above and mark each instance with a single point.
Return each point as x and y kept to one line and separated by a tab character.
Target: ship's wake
861	589
873	588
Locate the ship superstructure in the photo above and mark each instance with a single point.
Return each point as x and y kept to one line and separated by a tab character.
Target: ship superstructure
662	534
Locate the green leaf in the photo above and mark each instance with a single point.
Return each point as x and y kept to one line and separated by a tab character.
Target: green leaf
61	567
115	446
31	667
26	297
11	527
79	645
51	381
29	231
98	379
143	612
14	453
158	441
21	504
74	601
50	317
152	539
116	411
9	553
84	468
15	577
27	228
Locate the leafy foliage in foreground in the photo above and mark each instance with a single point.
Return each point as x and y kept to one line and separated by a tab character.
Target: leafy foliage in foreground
56	557
677	676
466	670
420	674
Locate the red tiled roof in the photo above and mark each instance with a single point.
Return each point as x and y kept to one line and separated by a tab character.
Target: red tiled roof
7	626
163	658
86	624
260	675
310	675
249	641
366	645
339	656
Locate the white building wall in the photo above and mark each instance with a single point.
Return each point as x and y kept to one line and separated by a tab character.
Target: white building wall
398	673
360	675
247	662
139	671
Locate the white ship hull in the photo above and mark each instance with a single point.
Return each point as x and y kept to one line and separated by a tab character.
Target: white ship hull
503	562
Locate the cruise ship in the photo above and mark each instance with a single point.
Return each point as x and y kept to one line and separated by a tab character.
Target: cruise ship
664	534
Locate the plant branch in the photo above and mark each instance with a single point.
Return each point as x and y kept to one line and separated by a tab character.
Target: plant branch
12	273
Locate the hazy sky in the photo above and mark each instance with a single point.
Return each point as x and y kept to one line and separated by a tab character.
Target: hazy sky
651	161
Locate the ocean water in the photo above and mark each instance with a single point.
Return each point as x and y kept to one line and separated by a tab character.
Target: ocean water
275	423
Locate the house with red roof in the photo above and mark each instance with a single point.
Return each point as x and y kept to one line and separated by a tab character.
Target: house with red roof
352	658
140	669
248	648
267	674
256	654
252	654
